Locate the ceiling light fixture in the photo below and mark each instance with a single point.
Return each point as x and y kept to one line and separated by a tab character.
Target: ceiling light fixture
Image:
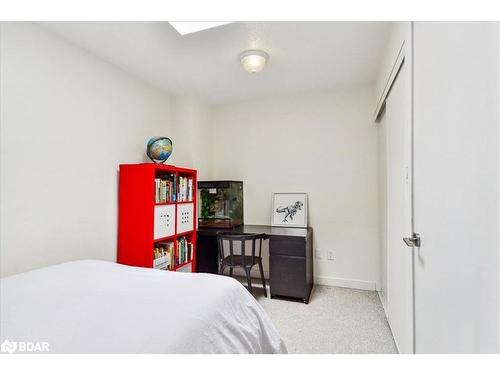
253	61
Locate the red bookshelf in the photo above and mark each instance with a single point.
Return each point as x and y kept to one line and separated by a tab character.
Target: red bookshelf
144	223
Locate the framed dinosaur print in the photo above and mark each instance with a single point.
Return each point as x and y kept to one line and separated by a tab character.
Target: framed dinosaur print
289	210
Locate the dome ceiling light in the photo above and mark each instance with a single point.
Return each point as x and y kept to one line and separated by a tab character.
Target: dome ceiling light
253	61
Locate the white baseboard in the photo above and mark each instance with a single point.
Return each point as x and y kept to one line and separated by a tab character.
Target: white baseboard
346	283
382	301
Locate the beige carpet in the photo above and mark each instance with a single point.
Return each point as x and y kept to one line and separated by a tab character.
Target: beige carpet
336	320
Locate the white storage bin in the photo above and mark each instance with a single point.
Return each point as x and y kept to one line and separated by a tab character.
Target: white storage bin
164	221
185	217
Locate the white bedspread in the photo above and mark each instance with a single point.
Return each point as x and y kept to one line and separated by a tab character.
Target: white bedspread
101	307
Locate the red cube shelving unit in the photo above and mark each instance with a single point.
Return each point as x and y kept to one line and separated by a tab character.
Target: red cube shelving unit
142	223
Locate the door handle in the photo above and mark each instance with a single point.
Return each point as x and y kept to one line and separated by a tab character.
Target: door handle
413	241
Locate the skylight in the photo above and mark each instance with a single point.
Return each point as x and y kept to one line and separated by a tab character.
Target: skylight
188	27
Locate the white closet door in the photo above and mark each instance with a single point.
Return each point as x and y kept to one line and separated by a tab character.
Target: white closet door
456	68
399	211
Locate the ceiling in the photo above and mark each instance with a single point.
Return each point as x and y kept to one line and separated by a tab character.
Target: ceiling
303	55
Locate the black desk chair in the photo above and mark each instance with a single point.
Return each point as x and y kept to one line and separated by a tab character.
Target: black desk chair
241	259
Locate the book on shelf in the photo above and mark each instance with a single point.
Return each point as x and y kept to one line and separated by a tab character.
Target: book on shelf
184	251
165	191
169	189
163	255
185	191
190	189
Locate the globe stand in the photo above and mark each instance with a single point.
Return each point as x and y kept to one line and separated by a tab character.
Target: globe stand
156	161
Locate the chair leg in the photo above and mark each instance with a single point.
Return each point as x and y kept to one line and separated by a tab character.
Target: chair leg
249	280
262	277
221	269
230	271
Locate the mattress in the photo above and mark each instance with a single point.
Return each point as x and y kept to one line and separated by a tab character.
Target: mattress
92	306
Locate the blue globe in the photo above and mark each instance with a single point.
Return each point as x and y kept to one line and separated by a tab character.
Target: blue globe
159	149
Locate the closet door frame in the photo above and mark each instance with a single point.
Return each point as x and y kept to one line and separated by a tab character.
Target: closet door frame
401	317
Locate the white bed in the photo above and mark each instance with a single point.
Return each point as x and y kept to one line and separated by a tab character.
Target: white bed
94	306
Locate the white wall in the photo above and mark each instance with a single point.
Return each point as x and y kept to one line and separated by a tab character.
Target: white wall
323	143
191	134
67	120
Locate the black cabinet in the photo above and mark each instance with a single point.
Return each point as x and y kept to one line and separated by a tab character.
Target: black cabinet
207	260
291	266
290	263
288	276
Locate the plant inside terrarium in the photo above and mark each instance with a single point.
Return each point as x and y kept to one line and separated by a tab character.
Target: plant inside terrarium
222	204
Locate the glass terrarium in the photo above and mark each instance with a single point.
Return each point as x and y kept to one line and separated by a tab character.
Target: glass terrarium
221	204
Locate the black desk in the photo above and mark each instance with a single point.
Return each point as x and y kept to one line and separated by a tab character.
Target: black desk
290	251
